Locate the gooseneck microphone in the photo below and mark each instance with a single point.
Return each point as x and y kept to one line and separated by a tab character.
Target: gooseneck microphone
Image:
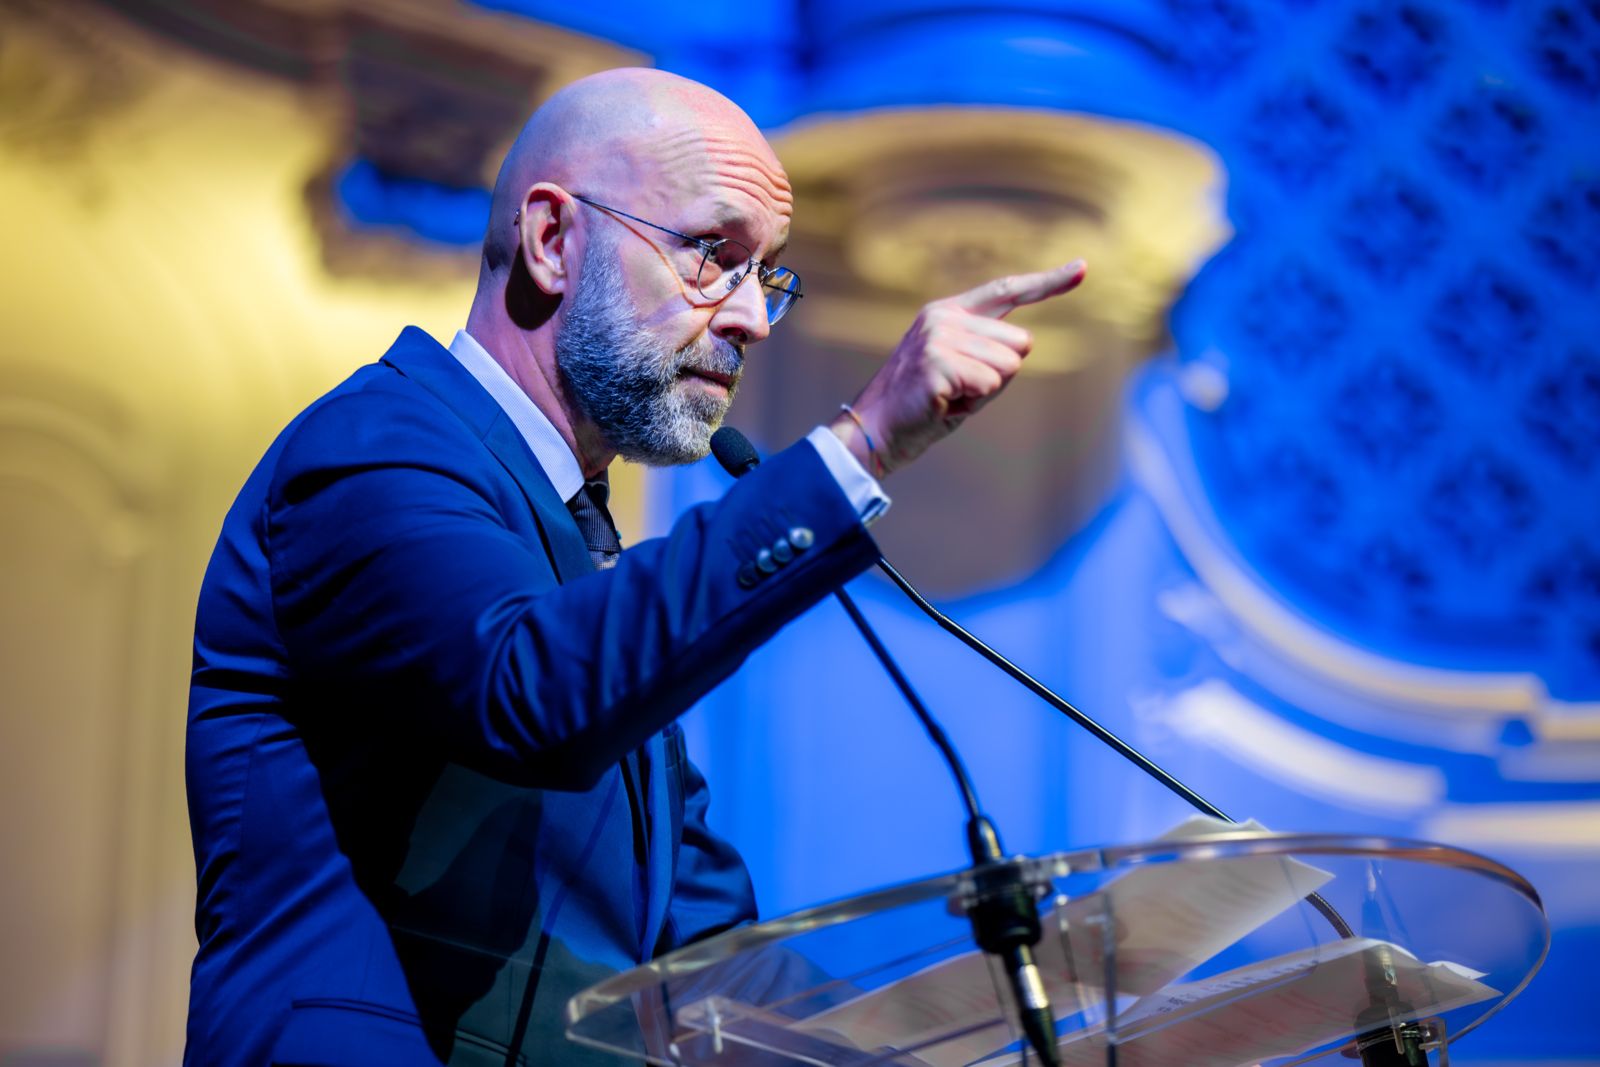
1377	1045
1005	914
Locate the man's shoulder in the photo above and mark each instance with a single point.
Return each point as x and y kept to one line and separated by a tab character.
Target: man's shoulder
379	416
382	401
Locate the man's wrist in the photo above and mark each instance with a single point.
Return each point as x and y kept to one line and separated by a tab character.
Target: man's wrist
848	427
865	494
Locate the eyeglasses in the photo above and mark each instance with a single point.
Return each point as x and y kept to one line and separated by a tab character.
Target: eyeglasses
722	265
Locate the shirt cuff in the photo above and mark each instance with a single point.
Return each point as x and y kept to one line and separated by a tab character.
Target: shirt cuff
862	489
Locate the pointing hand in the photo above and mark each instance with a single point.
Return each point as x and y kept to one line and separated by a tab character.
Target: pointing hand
957	356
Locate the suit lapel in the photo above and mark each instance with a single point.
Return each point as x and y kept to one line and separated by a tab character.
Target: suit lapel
562	540
428	363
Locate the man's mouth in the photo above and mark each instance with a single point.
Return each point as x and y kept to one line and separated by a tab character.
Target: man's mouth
724	380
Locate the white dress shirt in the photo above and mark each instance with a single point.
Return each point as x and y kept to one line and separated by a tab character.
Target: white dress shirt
561	466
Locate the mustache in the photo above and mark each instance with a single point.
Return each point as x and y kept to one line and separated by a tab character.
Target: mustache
711	355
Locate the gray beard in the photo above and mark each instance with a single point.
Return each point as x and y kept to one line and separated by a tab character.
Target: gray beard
626	383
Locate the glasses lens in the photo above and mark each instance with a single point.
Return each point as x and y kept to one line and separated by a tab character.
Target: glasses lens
722	268
780	287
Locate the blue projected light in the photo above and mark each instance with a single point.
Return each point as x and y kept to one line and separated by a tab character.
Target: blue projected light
434	212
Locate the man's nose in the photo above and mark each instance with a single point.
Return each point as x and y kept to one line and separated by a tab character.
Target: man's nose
741	319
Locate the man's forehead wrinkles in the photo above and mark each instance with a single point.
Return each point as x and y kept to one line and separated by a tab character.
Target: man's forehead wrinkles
726	152
738	179
679	146
728	209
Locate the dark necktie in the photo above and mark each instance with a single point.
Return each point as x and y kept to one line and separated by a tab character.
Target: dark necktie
589	511
588	507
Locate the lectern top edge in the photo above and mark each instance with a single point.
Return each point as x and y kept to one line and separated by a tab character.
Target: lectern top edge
1212	846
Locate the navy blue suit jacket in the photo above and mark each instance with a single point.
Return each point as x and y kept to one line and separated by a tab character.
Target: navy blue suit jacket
418	827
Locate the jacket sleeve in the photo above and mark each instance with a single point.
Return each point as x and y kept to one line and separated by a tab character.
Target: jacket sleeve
402	590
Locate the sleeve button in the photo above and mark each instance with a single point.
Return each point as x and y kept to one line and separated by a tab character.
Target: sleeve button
782	550
802	538
748	576
765	563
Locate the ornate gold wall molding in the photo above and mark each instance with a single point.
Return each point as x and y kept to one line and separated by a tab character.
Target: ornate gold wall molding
428	90
932	200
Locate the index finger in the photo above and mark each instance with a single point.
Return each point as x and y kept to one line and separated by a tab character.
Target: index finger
1001	297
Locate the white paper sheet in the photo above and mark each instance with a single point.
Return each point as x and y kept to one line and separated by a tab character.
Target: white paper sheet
1169	918
1172	917
1281	1007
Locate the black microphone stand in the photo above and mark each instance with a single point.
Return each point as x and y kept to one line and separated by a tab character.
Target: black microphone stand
1003	910
1009	926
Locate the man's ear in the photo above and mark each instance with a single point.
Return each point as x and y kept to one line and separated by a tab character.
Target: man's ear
544	226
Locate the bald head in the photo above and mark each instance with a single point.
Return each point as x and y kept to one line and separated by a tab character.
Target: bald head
643	138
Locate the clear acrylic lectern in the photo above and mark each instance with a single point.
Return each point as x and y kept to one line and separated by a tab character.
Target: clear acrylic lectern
1189	951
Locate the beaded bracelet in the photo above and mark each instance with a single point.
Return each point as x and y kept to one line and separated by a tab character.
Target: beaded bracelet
872	449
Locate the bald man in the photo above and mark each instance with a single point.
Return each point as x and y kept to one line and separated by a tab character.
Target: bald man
435	782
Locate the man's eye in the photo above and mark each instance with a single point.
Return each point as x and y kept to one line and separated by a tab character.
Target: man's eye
731	255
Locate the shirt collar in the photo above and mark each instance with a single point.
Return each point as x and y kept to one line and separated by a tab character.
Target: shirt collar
548	446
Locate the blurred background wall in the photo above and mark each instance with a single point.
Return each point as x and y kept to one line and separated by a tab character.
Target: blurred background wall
1299	493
